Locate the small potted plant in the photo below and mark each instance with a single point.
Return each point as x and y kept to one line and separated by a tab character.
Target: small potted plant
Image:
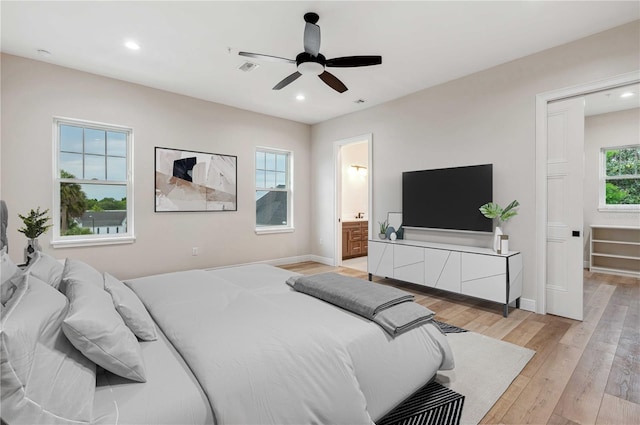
384	225
501	215
35	224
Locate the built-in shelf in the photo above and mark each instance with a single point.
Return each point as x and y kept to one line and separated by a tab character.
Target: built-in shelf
615	250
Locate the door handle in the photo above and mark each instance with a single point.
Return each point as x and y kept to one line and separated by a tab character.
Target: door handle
575	233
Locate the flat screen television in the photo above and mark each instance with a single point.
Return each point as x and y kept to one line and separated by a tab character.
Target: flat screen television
447	198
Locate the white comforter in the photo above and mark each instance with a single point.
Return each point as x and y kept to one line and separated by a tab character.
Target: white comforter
265	354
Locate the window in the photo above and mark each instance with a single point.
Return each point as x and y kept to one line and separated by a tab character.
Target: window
620	178
93	190
274	202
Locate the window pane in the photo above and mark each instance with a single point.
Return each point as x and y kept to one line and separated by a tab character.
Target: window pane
281	180
70	165
623	192
281	162
92	209
271	208
94	141
116	144
270	161
270	182
70	138
623	162
260	178
260	158
116	168
94	167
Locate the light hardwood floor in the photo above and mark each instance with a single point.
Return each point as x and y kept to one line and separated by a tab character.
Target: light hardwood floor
582	373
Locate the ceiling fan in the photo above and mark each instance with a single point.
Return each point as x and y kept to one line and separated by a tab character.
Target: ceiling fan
311	61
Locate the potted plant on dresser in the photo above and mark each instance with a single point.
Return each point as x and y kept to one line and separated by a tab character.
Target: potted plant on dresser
35	224
501	215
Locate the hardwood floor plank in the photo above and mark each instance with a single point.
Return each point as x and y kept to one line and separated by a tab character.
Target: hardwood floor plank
523	333
559	420
624	380
502	406
537	401
483	321
543	343
614	410
582	396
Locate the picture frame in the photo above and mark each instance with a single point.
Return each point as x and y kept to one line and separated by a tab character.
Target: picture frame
190	181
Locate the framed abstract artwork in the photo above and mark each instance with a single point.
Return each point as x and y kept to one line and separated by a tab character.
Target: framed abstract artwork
195	181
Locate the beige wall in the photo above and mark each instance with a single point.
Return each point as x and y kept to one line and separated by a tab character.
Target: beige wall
487	117
33	92
606	130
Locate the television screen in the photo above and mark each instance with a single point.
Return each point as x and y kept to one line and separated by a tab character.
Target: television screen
447	198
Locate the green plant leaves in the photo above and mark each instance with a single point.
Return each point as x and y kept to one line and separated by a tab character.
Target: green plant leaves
493	210
35	223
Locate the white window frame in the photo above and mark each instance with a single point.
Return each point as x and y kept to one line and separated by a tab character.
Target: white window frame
285	228
59	241
602	191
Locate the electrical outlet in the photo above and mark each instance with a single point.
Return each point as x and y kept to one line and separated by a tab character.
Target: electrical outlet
194	251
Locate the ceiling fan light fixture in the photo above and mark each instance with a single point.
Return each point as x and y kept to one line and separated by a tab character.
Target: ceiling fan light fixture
310	68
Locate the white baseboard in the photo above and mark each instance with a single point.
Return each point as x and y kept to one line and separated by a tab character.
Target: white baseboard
528	304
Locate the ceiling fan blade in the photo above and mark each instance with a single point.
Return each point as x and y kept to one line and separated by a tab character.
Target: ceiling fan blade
311	39
266	57
333	82
288	80
352	61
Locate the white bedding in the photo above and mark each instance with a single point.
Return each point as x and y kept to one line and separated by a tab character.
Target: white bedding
264	353
170	396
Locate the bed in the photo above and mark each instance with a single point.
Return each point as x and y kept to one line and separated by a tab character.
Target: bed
238	345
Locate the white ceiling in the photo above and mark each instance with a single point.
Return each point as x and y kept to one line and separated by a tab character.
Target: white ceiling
191	47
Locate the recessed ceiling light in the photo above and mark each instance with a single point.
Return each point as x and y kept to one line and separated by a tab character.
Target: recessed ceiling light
132	45
300	97
627	94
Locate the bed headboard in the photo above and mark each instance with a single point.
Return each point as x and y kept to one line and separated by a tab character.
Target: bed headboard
3	225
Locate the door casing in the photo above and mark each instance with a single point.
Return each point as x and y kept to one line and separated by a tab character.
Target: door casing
542	100
337	190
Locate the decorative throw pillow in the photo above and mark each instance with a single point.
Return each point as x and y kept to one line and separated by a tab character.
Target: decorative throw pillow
44	378
130	308
8	270
95	328
46	268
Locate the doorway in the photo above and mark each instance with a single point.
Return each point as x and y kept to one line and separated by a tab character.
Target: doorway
544	197
353	201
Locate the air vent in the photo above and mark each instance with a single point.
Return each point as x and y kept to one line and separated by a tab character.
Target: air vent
248	66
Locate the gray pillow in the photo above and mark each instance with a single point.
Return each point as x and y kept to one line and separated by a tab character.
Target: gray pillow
94	326
46	268
8	274
44	378
130	308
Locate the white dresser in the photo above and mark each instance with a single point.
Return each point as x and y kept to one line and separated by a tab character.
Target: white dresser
467	270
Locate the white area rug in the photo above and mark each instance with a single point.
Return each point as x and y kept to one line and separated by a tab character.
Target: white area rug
485	367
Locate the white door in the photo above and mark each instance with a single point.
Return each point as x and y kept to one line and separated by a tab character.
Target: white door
565	168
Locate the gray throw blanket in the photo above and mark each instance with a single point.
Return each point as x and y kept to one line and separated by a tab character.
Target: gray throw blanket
387	306
356	295
402	317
